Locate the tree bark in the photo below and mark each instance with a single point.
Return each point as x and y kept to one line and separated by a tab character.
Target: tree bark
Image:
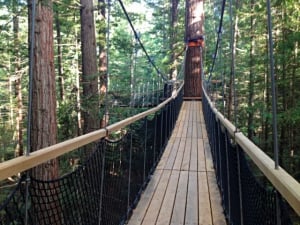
43	119
173	26
59	58
18	84
90	99
103	59
194	30
44	127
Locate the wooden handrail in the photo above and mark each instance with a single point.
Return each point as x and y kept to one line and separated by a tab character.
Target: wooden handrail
287	186
23	163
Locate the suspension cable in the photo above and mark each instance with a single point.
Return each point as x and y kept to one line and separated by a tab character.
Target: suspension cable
29	117
218	39
272	73
183	64
232	63
140	42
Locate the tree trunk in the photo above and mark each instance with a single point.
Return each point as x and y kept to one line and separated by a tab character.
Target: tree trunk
173	26
59	58
90	100
43	126
18	84
194	31
103	60
232	97
250	126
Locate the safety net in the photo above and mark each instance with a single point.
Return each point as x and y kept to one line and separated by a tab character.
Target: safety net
245	199
102	190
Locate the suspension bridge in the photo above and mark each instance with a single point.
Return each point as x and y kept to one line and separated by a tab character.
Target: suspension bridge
179	162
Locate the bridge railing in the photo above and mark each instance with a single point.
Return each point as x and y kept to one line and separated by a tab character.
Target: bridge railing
102	190
245	199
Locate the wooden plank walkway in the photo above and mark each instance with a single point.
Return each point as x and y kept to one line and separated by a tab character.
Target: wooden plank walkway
183	188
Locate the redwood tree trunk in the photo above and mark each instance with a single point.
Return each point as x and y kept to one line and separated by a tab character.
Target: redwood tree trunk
90	100
43	117
194	31
44	127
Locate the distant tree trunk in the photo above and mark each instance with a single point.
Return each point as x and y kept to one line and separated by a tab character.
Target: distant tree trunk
194	31
232	99
18	84
59	57
103	59
251	76
173	26
90	98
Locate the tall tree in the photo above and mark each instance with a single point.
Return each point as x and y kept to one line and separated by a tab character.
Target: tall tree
194	33
43	127
59	57
102	58
90	104
18	83
173	27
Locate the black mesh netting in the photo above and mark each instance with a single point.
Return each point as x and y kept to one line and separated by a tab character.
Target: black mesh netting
245	200
105	188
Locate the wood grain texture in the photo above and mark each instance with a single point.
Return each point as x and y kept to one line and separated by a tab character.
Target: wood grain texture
184	196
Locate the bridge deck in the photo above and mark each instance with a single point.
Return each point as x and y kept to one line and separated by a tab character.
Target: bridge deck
183	188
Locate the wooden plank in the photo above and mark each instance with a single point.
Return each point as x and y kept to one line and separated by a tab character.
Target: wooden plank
201	156
205	214
191	213
199	112
173	155
192	98
194	155
184	196
204	133
156	202
166	154
195	130
180	154
178	215
200	130
165	214
208	157
139	212
215	199
187	155
184	129
189	129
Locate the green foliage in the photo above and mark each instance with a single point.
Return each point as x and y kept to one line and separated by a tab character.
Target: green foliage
252	80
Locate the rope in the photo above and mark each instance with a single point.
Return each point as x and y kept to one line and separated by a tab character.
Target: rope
103	177
232	66
272	73
218	39
236	175
140	42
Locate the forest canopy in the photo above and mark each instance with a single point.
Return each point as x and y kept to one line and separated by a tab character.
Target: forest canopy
243	51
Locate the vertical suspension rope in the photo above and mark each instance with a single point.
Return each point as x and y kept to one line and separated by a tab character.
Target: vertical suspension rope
145	149
274	106
31	65
272	73
232	66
